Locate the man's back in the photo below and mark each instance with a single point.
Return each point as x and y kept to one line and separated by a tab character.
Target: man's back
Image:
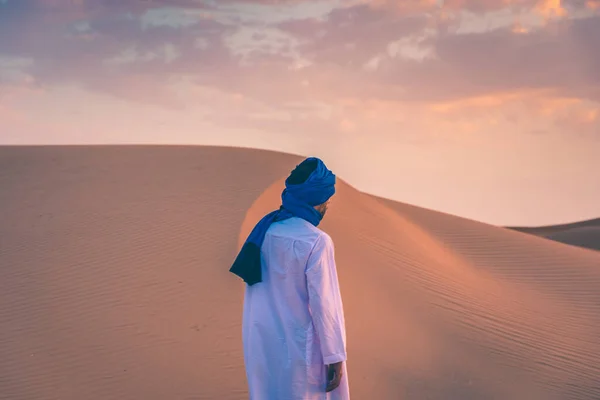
293	321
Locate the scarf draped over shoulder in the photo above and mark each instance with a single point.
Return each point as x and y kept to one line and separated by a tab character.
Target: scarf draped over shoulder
297	200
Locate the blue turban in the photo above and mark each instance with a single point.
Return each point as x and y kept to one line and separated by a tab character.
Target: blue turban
297	200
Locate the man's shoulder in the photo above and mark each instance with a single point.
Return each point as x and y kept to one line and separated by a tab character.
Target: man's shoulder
299	230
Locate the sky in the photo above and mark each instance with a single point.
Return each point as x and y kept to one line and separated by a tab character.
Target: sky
486	109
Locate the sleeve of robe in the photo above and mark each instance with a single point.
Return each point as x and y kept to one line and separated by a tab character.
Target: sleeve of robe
325	301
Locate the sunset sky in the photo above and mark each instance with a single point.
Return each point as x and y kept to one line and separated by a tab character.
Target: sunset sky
487	109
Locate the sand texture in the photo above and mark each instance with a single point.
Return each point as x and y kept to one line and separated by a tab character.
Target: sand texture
114	284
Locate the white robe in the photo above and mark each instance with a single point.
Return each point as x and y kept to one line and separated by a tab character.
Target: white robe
293	322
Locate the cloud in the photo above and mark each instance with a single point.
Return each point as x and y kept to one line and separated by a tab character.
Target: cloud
166	53
325	52
15	70
593	4
350	37
543	7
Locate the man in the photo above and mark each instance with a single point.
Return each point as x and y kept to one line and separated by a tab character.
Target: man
293	324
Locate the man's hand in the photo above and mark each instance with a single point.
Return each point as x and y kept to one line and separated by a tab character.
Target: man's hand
334	376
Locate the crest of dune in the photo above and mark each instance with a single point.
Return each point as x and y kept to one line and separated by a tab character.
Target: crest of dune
114	284
584	234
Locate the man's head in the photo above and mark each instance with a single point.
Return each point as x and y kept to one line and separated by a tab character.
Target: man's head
302	173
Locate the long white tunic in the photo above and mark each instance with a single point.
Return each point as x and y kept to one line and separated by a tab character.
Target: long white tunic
293	323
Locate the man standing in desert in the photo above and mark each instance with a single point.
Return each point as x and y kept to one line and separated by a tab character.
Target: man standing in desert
293	324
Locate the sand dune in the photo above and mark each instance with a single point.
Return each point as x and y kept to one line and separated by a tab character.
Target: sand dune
114	284
583	234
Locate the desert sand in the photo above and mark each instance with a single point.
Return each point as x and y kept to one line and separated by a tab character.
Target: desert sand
583	234
114	284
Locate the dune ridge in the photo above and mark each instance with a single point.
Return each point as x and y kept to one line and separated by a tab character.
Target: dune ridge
584	234
550	229
114	284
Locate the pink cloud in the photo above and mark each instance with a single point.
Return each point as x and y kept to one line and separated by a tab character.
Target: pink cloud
349	54
543	7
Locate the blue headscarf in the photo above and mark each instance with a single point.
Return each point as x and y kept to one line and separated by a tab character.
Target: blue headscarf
297	200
